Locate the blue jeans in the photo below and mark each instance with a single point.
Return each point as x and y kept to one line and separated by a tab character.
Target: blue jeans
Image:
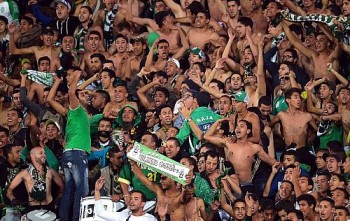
75	168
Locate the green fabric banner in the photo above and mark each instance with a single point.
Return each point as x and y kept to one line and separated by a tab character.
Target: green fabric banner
158	162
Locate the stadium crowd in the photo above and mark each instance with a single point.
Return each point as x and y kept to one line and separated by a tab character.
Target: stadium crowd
252	96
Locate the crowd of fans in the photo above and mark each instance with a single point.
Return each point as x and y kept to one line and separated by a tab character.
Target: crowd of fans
252	96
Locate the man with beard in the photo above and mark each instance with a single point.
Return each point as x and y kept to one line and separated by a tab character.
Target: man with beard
100	147
136	206
99	100
9	169
93	44
165	115
17	104
265	107
168	195
111	173
38	180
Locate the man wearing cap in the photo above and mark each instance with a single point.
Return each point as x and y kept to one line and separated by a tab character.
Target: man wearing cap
64	22
48	49
240	104
198	119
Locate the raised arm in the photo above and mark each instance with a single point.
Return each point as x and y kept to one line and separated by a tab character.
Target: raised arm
296	42
184	44
219	65
86	83
340	78
141	93
267	188
149	59
150	185
59	108
175	8
73	99
310	106
209	135
264	156
231	38
12	45
261	73
186	113
196	80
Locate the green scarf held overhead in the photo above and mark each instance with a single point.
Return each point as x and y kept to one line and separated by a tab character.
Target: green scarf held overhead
326	19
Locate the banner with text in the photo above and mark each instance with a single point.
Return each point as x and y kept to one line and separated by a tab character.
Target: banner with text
158	162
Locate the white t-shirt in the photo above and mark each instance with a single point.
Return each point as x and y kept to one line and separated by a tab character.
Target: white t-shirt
119	216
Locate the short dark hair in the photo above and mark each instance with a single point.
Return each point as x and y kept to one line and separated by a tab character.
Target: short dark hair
177	142
298	213
28	19
292	51
162	41
93	32
238	200
143	196
283	205
100	56
265	100
44	58
4	130
343	208
246	21
288	94
267	204
195	7
160	108
212	154
88	8
328	199
237	2
164	90
104	94
110	72
19	113
310	199
205	12
219	83
112	151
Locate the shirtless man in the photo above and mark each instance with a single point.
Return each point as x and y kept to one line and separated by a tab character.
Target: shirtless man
257	15
167	193
118	100
246	37
233	9
119	54
68	43
200	34
321	57
93	46
295	126
48	49
172	33
244	150
133	63
38	180
162	46
195	208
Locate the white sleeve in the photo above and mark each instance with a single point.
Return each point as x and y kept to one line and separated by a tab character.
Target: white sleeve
106	215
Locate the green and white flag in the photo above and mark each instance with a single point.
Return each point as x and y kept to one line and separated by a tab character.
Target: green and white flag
158	162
